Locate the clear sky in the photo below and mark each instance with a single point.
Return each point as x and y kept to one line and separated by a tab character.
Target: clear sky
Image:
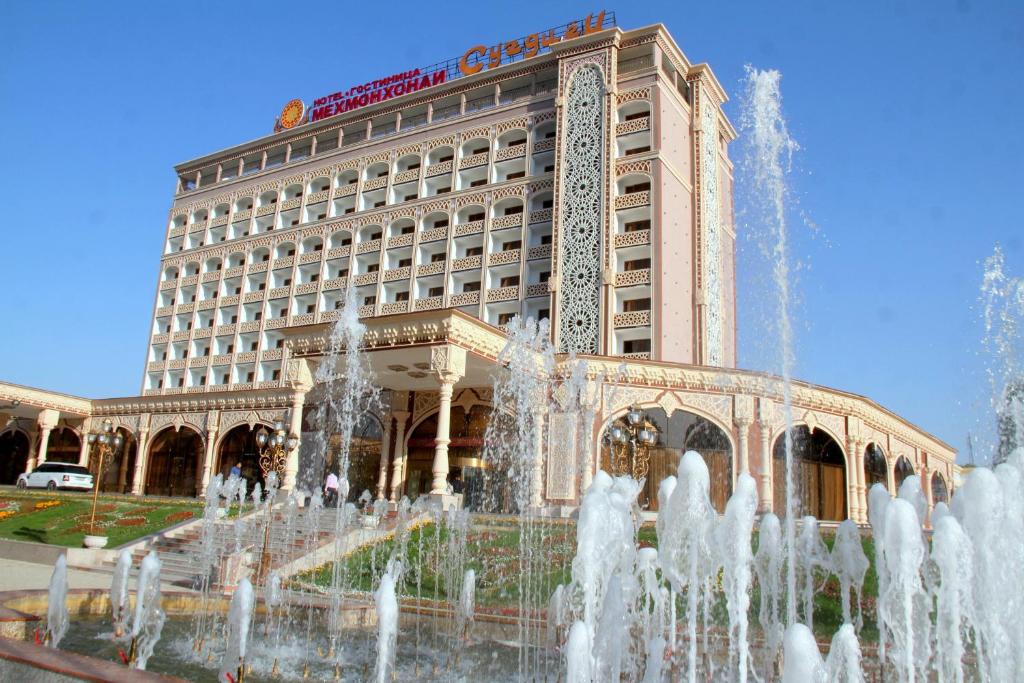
908	115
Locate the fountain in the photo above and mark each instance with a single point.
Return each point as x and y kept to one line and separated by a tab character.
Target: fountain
57	607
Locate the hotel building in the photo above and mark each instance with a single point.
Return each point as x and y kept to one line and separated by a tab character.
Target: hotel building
586	180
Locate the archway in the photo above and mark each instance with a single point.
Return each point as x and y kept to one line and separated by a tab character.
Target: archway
239	446
940	494
466	468
13	455
363	456
118	471
63	446
902	470
875	469
174	460
683	431
819	477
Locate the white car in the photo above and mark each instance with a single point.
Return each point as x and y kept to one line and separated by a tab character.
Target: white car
57	475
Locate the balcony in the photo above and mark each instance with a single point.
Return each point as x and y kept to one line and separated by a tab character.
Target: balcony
502	257
279	292
218	221
429	304
539	289
266	210
512	152
375	184
434	234
317	197
311	257
230	300
177	232
335	283
272	354
432	268
544	145
259	267
284	262
250	326
471	228
467	263
366	311
367	247
164	310
633	239
465	298
407	176
200	362
631	278
168	284
291	203
366	279
302	319
634	126
394	307
539	251
632	319
202	333
246	357
339	252
628	201
541	216
502	294
233	272
345	190
226	329
306	288
329	316
250	297
400	241
161	338
221	359
480	159
514	220
211	277
439	169
393	274
180	336
156	366
276	323
638	355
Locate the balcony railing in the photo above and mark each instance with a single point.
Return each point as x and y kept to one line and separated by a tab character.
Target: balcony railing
545	145
345	190
339	252
539	251
430	303
434	234
632	319
633	126
470	228
432	268
631	278
628	201
374	183
311	257
512	152
265	210
439	169
335	283
366	279
633	239
465	298
407	176
366	311
502	294
366	247
538	289
397	274
498	258
467	263
400	241
541	216
474	160
514	220
394	307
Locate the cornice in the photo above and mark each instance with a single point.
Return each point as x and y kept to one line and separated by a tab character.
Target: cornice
224	400
41	398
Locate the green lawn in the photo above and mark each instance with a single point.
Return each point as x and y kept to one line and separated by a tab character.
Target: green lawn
36	519
492	550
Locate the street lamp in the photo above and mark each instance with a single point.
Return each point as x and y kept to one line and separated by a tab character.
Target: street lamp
106	443
629	440
274	449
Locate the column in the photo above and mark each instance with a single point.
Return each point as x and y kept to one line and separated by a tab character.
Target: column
141	456
862	487
122	467
47	420
852	479
439	484
926	482
398	460
385	454
291	468
537	480
208	456
83	454
743	434
767	463
33	451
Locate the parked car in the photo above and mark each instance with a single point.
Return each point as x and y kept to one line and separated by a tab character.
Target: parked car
57	475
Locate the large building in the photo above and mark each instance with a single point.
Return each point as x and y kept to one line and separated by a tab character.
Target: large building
580	174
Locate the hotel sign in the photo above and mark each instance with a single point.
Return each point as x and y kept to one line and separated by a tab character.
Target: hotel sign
472	61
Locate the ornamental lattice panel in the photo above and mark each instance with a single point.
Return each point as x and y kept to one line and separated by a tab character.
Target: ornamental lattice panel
582	213
712	231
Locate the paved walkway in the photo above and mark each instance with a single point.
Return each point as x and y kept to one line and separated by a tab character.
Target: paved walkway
18	575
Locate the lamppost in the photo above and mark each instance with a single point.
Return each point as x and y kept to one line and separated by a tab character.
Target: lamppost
107	443
274	449
629	440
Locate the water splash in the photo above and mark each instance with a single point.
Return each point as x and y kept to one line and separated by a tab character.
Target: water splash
119	607
149	618
57	605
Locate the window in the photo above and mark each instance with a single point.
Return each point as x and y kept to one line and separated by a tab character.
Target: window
224	379
473	217
637	226
638	187
443	223
435	291
230	349
310	308
266	257
545	239
338	304
209	323
315	277
510	281
407	229
346	242
474	251
250	376
181	381
505	318
282	313
445	158
517	174
637	150
258	316
413	167
369	300
238	290
379	204
279	344
261	286
206	350
543	313
409	197
470	286
342	273
547	203
276	375
544	276
160	384
295	222
374	236
350	209
404	263
480	150
373	268
637	115
443	190
318	247
202	381
382	174
252	346
478	183
636	305
401	296
636	346
509	246
287	282
321	216
549	168
291	252
637	264
438	257
164	356
550	134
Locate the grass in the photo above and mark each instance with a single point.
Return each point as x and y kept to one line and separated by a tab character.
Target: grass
63	518
492	551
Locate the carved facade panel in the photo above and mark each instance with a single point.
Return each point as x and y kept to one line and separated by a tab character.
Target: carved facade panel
561	460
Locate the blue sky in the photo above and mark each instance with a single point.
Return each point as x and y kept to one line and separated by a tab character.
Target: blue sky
907	114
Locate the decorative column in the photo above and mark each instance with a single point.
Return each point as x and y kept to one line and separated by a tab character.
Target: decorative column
767	460
298	376
862	486
449	363
385	454
83	453
47	420
141	456
33	451
743	416
852	479
537	480
926	482
212	427
398	460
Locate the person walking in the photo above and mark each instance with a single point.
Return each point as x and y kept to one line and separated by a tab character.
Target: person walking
236	470
331	490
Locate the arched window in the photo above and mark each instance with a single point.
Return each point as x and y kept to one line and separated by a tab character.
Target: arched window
819	475
174	461
875	469
902	470
940	494
63	446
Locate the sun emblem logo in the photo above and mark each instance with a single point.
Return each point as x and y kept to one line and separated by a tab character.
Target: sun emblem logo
293	114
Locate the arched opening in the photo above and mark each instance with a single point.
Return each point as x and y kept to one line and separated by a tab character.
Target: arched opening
902	470
174	461
239	447
118	471
683	431
940	494
819	477
63	446
13	455
875	469
465	456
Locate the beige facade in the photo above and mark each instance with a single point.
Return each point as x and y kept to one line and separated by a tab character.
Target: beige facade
590	185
